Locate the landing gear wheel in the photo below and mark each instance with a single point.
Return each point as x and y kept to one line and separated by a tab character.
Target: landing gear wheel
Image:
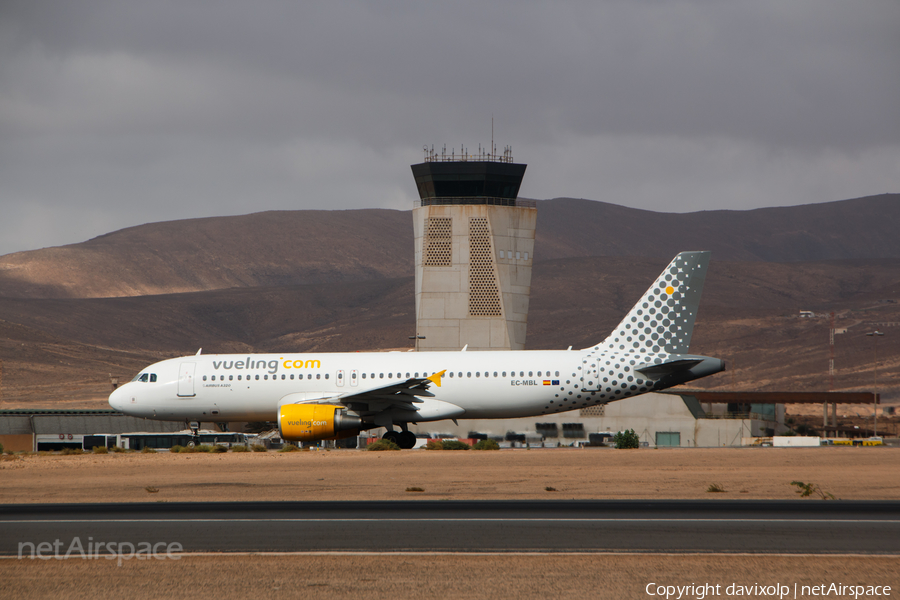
407	440
392	436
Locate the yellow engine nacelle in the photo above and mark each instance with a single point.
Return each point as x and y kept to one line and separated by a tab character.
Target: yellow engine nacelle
312	422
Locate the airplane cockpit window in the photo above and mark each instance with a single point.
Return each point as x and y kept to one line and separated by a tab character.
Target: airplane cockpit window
143	377
152	377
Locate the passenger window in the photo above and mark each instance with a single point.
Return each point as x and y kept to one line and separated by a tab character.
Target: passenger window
231	378
266	377
239	377
469	374
318	376
539	373
451	373
529	374
364	375
213	378
204	378
381	376
390	375
477	373
340	375
504	373
460	374
557	373
292	376
326	375
257	377
309	376
495	373
407	375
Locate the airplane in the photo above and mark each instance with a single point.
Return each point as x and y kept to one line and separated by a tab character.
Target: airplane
323	396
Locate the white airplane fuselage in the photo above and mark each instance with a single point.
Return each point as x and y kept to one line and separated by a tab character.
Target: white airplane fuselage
484	385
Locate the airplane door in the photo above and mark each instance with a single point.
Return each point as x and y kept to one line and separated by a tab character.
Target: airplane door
590	373
354	377
186	379
340	378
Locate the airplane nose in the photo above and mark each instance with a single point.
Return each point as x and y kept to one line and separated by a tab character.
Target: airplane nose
117	399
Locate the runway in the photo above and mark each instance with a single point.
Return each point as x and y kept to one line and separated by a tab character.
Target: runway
756	526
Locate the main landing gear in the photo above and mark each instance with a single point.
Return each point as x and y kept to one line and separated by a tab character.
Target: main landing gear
405	439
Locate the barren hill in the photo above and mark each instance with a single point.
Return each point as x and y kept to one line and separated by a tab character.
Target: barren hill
261	249
863	228
308	247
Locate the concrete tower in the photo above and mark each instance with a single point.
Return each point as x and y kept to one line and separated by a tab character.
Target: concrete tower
474	245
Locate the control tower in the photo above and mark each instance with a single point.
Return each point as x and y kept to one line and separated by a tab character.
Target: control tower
474	245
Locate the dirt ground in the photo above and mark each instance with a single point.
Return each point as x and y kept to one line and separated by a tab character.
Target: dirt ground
858	473
395	576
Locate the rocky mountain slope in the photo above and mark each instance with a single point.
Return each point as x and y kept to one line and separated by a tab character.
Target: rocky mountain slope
307	247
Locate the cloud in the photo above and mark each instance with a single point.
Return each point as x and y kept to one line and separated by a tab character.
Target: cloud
116	113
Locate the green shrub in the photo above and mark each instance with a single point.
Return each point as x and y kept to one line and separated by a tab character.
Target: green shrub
218	448
1	448
203	448
486	445
100	450
382	445
148	450
176	449
289	448
455	445
240	448
259	448
715	488
809	489
627	439
434	445
70	451
117	449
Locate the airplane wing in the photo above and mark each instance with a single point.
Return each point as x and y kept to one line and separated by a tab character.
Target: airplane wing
403	395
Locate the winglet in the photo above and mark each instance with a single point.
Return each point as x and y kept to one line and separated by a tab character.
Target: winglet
436	378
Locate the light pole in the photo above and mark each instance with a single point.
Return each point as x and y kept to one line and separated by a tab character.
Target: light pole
875	334
417	338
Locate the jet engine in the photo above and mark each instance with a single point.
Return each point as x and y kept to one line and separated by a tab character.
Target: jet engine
312	422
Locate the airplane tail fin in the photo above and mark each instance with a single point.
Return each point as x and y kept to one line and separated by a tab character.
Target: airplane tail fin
663	319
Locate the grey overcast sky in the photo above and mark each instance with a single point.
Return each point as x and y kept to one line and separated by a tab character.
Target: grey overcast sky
117	113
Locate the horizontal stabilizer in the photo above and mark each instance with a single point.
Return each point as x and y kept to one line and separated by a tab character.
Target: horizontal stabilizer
656	371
